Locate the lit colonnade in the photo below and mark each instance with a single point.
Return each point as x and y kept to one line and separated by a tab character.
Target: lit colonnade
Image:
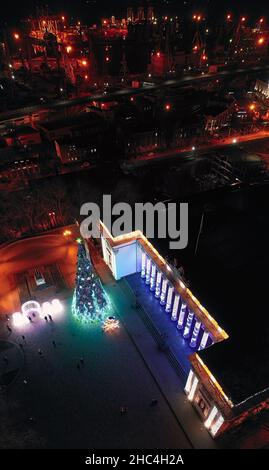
134	253
187	322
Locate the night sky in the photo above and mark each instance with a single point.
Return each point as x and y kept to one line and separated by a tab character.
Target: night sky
91	10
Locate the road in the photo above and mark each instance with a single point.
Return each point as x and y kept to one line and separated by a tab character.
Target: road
190	152
84	100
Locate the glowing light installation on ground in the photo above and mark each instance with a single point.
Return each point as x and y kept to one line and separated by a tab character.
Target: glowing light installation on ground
32	307
90	301
19	319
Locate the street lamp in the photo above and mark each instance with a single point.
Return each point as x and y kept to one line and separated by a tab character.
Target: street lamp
67	233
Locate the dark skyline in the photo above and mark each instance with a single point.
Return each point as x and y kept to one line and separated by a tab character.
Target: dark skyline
92	10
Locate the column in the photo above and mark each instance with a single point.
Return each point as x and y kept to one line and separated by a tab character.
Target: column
163	291
187	329
175	307
158	284
143	265
169	299
213	413
182	315
204	340
188	385
216	425
153	277
194	338
148	269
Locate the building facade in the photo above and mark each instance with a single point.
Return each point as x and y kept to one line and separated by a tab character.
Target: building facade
219	402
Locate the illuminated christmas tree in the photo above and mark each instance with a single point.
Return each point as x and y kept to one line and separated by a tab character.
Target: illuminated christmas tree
90	301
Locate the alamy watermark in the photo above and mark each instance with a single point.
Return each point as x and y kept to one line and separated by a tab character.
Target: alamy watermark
153	220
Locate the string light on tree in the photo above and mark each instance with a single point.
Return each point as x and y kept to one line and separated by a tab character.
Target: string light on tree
90	301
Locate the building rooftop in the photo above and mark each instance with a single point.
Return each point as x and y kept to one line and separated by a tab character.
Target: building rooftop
79	120
230	280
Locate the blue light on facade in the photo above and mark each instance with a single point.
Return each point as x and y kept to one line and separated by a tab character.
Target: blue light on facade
182	314
195	334
158	284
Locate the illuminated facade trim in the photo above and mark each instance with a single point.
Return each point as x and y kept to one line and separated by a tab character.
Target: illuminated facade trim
210	324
